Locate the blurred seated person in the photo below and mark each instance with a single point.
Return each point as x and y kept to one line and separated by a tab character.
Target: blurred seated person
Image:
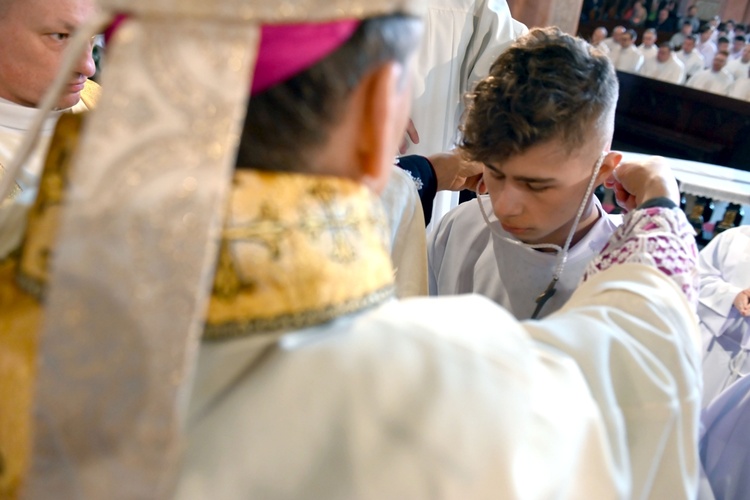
692	18
613	42
738	47
663	22
706	45
665	67
723	44
649	48
715	79
627	57
678	38
739	68
740	89
690	57
598	38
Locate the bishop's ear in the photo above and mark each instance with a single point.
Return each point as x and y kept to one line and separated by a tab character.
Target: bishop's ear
386	107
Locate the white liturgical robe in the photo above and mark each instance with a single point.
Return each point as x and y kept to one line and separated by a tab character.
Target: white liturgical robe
598	402
462	39
465	256
739	69
693	62
648	52
724	268
740	89
671	71
710	81
629	60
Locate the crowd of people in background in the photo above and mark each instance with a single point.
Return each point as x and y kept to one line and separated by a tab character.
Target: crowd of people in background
712	56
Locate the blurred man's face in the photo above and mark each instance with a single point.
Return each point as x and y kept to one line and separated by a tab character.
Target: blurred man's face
692	11
626	41
599	35
688	45
663	54
746	53
720	60
617	34
663	15
723	46
738	45
33	37
705	36
687	29
649	38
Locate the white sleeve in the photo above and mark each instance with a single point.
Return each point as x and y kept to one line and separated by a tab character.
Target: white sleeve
494	31
408	251
716	292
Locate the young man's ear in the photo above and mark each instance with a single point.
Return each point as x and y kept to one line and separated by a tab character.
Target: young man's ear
386	105
611	160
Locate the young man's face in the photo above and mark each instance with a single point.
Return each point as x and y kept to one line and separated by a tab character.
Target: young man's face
738	45
746	53
626	41
536	195
663	54
33	36
720	60
649	39
688	45
705	36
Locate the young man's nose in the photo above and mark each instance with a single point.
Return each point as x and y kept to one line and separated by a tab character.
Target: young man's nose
509	202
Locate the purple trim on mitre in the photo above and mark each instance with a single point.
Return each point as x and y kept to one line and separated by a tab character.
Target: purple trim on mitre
289	49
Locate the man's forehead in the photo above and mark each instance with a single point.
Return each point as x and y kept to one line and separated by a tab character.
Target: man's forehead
71	13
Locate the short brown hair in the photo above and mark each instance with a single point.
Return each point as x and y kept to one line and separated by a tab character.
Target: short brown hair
548	85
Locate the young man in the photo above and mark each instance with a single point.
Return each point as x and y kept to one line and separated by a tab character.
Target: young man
738	47
739	68
679	38
311	381
627	58
598	39
649	48
528	124
706	45
665	66
690	57
715	79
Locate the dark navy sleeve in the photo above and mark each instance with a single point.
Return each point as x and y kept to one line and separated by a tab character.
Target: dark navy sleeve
423	174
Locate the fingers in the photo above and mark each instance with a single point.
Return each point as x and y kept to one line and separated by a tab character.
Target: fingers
411	135
411	131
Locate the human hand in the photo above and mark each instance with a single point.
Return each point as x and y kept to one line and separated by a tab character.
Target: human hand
742	302
454	172
411	135
636	182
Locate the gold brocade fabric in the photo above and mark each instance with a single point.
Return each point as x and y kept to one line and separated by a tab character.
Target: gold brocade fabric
91	93
22	279
297	251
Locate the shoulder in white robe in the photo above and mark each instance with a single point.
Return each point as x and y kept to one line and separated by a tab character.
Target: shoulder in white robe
453	398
